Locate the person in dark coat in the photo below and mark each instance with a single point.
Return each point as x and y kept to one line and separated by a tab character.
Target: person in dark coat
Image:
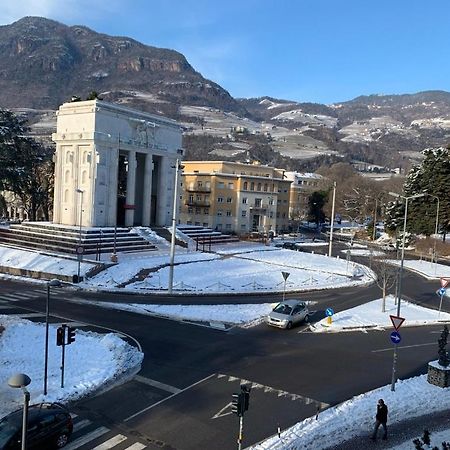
380	419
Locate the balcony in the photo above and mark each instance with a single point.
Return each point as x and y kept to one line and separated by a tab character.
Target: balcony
198	189
203	203
261	207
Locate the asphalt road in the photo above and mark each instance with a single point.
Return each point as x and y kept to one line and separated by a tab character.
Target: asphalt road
180	399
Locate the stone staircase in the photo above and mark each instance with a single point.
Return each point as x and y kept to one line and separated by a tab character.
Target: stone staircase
206	236
65	239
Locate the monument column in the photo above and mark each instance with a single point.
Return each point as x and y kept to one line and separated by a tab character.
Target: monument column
131	189
146	207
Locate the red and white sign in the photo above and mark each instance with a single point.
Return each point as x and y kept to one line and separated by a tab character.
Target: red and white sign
444	282
397	321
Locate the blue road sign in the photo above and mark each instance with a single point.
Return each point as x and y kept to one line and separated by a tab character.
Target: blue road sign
442	291
329	312
395	337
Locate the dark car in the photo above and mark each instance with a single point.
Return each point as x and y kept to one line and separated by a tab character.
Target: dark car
49	426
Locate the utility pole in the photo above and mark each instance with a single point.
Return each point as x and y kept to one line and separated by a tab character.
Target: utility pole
332	220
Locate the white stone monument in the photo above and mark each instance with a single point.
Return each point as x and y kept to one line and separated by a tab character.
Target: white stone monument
114	166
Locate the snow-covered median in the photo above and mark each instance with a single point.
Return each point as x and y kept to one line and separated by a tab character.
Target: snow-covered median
91	361
370	315
427	269
412	398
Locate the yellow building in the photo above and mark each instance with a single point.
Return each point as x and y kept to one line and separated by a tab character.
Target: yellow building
234	197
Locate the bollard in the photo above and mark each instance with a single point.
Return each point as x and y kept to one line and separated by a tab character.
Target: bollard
329	320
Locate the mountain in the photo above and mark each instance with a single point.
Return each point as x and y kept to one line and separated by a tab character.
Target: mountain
45	63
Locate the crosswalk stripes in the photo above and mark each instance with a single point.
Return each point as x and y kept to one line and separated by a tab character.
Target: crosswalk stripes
86	435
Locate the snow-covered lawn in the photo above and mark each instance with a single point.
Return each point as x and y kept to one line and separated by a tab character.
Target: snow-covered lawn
426	268
90	361
370	315
23	259
412	398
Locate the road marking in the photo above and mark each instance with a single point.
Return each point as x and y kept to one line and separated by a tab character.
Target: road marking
167	398
222	412
110	443
87	438
2	306
30	294
136	446
157	384
26	315
402	346
70	323
81	424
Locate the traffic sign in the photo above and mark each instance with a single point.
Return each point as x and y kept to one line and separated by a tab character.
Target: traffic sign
285	275
397	321
395	337
444	282
442	291
329	312
79	250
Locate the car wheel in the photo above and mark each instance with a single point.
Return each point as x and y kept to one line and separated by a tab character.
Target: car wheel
62	440
306	319
289	325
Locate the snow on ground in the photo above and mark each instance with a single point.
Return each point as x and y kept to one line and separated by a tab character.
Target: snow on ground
370	315
412	398
229	314
358	252
24	259
259	270
436	439
426	268
91	361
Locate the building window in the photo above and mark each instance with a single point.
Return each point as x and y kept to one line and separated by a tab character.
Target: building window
206	211
259	187
198	198
219	199
199	184
188	222
244	200
219	212
284	215
252	186
205	224
258	202
230	185
197	224
244	213
220	185
278	215
191	198
271	215
245	185
270	201
229	199
197	211
190	210
228	226
243	226
208	185
265	187
228	213
219	226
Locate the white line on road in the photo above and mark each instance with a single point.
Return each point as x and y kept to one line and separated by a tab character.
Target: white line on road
157	384
403	346
167	398
86	438
136	446
110	443
81	424
27	315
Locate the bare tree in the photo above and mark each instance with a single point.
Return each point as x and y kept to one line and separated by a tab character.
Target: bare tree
385	275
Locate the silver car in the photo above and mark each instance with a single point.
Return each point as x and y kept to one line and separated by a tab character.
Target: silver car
288	313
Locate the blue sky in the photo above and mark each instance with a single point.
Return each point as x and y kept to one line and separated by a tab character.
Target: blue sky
306	50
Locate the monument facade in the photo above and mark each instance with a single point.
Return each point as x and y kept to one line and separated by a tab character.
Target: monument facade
114	166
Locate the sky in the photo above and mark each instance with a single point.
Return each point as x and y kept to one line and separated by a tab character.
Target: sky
323	51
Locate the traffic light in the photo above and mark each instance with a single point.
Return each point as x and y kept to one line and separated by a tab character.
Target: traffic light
60	335
246	398
70	335
237	404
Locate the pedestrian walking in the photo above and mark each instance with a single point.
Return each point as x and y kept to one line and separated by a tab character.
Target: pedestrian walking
380	419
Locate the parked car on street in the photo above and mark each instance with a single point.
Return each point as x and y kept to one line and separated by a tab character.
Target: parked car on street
288	313
49	426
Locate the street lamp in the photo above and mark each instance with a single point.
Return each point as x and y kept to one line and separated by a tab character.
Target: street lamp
332	220
435	227
80	256
400	273
52	283
20	380
178	167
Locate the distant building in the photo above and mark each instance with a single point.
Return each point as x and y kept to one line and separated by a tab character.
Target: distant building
303	184
234	197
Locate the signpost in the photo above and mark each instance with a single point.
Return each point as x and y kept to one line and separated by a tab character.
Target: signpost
441	292
329	313
397	322
285	276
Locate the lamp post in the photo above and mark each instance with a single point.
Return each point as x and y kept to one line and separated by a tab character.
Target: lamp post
400	273
332	220
178	167
80	256
20	380
52	283
435	228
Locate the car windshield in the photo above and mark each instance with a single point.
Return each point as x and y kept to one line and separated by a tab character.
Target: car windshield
283	309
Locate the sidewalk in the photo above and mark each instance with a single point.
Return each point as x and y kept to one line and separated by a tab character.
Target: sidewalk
400	433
